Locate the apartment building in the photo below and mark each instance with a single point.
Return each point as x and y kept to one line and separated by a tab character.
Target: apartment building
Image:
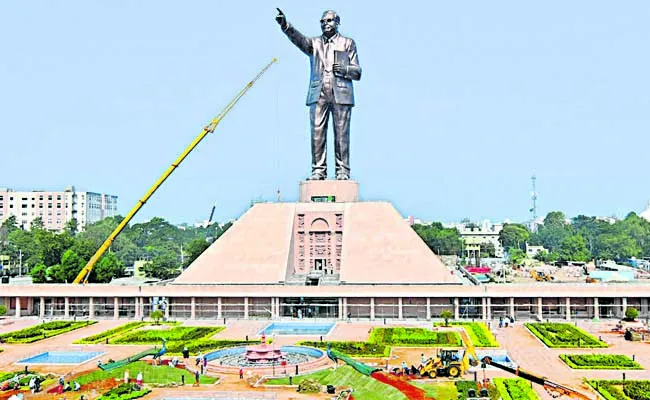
56	208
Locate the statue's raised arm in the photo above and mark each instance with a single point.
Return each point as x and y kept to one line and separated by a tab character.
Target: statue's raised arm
301	41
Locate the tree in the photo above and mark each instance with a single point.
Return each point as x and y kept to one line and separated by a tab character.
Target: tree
37	223
39	273
574	248
446	315
194	249
164	266
71	265
546	257
553	232
517	256
631	313
72	226
514	236
107	268
488	250
3	310
157	315
440	240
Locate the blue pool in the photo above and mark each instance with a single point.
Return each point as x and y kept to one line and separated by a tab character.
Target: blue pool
61	357
500	356
298	328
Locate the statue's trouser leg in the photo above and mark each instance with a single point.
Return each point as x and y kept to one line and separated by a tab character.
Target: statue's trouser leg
341	114
319	116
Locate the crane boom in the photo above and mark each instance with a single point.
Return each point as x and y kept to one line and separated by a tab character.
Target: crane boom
84	274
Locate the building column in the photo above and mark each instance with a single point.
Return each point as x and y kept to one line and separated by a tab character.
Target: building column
340	308
219	308
17	307
540	311
400	311
428	315
512	307
66	307
596	308
345	307
372	308
192	307
91	307
489	308
483	308
137	308
116	308
245	307
168	306
456	309
41	311
624	305
277	307
568	308
644	306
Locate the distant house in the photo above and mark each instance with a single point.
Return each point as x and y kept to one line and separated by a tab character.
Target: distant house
532	251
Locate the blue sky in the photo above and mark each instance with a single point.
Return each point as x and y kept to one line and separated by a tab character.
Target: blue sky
459	103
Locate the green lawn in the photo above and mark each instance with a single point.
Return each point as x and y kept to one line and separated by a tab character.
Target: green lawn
415	337
515	389
478	333
152	374
599	361
563	335
622	390
120	330
439	390
365	387
43	331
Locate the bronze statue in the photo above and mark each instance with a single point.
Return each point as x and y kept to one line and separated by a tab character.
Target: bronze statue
334	64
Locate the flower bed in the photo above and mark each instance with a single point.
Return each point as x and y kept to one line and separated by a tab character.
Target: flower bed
599	361
622	390
125	391
43	331
515	389
100	337
563	335
478	332
354	349
414	337
176	334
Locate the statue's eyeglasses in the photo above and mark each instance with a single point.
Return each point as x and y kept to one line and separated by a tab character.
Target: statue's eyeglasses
326	20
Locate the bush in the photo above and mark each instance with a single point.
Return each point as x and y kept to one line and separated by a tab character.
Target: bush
3	310
622	390
630	313
515	389
354	349
204	345
599	361
125	391
100	337
414	337
563	335
157	315
43	331
180	333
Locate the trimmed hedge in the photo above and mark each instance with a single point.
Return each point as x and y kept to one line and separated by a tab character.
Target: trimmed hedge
415	337
599	361
176	334
478	332
515	389
43	331
622	390
204	345
125	391
354	349
563	335
100	337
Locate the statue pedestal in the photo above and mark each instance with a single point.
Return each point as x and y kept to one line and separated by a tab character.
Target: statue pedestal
329	191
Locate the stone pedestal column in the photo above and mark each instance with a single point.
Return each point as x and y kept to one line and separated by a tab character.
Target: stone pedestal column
568	308
193	308
41	311
456	309
512	307
245	307
596	308
17	307
540	311
116	308
428	314
66	307
400	311
372	308
91	308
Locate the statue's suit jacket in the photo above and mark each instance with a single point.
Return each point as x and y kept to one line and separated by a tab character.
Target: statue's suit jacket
315	49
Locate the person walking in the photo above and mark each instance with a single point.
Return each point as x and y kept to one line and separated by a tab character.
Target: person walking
186	354
196	378
241	373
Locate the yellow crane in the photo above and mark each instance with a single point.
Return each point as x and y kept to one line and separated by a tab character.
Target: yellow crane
85	272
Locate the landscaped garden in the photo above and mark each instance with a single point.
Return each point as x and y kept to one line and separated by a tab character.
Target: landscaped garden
563	335
622	390
599	361
125	391
515	389
364	387
354	349
414	337
478	333
120	330
152	374
43	331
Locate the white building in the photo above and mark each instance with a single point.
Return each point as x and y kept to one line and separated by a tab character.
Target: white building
56	208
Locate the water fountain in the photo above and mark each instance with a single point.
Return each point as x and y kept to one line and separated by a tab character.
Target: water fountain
263	353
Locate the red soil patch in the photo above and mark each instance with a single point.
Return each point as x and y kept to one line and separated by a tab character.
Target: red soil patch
411	392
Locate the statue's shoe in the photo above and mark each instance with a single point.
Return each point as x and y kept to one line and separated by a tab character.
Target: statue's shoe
342	177
316	177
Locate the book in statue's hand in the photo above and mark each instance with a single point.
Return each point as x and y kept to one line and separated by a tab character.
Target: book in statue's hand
342	58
